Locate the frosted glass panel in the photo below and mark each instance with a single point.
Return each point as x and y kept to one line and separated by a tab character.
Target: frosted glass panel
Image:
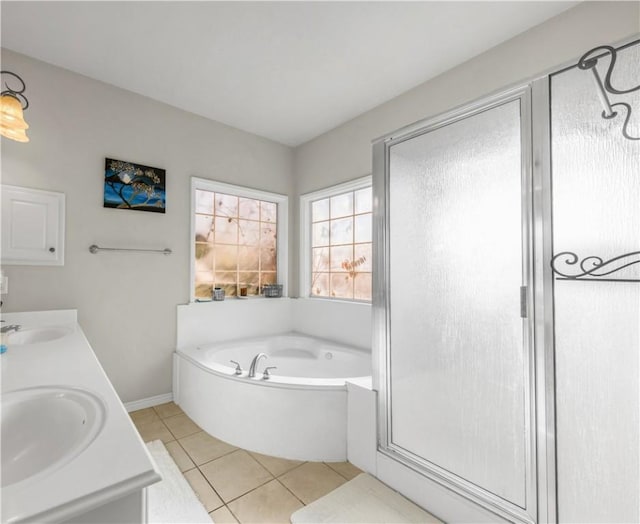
457	366
596	211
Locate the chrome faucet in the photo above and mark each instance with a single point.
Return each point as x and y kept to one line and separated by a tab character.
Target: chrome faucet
10	327
254	364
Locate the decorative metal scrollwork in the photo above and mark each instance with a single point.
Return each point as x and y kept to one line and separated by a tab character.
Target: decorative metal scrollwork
15	93
593	267
589	61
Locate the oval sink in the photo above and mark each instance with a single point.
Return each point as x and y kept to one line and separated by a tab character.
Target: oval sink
44	428
36	335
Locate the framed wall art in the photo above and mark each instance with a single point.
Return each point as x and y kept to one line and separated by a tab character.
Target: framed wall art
134	186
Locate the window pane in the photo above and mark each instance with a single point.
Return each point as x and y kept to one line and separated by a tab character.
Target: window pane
203	290
342	231
320	210
249	209
267	278
249	233
226	205
226	230
341	258
226	257
320	234
268	259
249	258
251	280
204	228
362	286
342	205
204	202
341	285
363	200
204	277
320	284
225	277
362	256
363	228
268	211
268	236
204	257
320	259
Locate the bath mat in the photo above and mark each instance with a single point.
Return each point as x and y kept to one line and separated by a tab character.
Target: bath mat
171	500
362	500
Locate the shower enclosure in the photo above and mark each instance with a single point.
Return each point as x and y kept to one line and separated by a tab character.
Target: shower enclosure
507	304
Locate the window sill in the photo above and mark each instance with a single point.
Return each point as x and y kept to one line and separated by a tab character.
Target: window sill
233	299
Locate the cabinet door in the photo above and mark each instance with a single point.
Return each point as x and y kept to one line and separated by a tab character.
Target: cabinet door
32	227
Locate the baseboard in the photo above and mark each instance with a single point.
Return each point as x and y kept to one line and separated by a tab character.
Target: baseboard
148	402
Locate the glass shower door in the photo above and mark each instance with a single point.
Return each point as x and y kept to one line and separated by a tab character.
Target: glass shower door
458	386
596	213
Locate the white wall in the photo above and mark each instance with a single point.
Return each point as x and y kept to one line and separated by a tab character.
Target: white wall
126	303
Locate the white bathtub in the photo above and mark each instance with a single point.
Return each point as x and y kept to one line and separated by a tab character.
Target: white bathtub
299	413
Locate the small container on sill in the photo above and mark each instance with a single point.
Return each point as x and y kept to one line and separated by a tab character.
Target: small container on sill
272	290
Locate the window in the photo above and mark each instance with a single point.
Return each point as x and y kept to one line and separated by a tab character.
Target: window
239	239
337	241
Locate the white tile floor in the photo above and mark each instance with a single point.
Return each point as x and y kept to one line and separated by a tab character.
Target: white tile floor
233	484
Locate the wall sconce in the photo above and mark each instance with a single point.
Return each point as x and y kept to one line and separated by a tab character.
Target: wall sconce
12	104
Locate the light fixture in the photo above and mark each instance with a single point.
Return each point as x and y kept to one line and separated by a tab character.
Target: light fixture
12	104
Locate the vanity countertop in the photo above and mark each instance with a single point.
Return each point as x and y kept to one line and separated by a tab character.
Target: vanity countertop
113	465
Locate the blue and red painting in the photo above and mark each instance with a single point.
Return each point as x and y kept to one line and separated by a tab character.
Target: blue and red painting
134	186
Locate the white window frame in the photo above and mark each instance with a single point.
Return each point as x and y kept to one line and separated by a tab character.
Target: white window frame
282	232
305	231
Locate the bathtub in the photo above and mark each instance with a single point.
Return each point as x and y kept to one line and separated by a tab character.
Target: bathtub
299	413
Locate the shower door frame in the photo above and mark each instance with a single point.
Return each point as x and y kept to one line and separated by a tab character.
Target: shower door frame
540	490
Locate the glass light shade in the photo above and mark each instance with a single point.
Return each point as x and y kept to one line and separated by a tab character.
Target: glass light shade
12	124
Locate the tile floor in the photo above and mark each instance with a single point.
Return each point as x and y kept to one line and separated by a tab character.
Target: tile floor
233	484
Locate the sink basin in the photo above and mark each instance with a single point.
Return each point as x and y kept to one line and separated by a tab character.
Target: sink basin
36	335
44	428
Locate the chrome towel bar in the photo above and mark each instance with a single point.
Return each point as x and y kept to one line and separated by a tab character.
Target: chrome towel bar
94	249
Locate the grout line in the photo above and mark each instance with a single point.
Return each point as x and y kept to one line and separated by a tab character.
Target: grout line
336	471
207	481
293	469
214	489
183	436
232	513
251	490
213	460
211	485
187	454
296	496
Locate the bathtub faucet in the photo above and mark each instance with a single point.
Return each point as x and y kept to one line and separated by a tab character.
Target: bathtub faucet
254	364
11	327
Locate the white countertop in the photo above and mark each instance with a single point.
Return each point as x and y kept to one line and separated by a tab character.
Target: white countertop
115	464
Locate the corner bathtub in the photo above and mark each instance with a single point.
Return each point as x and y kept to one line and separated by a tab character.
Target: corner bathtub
300	413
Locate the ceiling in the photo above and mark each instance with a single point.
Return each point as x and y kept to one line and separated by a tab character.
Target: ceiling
288	71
